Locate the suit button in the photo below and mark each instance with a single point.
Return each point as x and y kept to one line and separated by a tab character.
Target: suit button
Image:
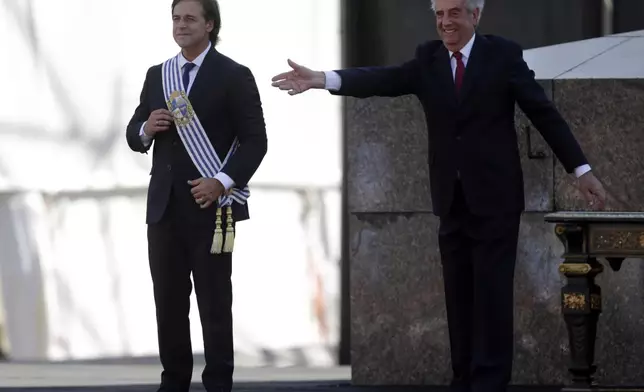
458	138
169	167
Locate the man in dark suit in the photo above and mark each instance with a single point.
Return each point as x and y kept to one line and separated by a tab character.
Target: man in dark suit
468	85
202	111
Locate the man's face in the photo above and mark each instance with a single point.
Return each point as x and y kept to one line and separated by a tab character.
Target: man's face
190	27
455	22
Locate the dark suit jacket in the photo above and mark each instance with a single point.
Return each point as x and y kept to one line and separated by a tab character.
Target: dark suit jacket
225	97
473	132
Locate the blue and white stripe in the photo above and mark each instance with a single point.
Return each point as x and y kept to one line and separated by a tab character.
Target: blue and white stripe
196	141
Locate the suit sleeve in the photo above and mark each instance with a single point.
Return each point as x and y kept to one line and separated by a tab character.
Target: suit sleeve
389	81
248	120
542	113
141	114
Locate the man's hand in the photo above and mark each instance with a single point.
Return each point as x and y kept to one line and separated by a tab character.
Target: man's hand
206	191
159	121
299	79
592	190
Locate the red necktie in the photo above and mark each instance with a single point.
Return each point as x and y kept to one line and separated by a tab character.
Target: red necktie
460	70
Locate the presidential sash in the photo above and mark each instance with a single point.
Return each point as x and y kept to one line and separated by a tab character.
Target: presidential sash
201	151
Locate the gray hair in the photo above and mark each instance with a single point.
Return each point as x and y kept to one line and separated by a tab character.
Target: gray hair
471	5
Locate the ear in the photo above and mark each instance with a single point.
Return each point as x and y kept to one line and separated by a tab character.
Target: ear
475	16
210	25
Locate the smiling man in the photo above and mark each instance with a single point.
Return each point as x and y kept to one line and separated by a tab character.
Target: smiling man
468	85
203	114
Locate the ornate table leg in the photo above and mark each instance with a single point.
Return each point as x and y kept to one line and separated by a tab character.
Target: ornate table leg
581	306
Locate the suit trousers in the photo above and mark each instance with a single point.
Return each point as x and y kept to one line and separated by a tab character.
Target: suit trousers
176	250
478	255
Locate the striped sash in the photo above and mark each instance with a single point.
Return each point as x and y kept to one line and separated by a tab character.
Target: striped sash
193	135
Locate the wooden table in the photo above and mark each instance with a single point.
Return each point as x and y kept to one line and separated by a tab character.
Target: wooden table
587	237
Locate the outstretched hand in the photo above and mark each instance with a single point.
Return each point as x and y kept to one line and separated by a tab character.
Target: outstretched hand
299	80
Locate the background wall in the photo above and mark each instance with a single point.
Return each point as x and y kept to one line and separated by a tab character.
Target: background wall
74	271
399	331
387	31
384	32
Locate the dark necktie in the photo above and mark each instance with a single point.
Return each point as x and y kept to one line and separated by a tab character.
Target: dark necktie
186	75
460	70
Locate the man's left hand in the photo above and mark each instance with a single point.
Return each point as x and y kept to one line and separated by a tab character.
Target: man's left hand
592	190
206	191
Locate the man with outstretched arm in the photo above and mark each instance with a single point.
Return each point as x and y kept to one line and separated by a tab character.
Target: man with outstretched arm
468	85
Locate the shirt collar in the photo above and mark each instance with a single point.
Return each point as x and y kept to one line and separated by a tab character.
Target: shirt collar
467	49
198	61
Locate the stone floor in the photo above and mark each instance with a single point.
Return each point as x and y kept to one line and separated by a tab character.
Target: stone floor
134	377
257	388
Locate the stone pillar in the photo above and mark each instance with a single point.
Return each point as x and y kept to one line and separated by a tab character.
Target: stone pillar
399	329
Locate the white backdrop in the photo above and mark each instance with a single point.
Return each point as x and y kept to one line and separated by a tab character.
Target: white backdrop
74	273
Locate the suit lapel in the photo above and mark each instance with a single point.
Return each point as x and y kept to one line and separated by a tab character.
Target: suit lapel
473	68
205	77
201	93
443	70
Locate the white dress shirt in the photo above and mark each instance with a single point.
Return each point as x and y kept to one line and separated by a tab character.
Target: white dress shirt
334	82
226	181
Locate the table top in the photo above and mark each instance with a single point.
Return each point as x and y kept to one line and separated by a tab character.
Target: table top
595	217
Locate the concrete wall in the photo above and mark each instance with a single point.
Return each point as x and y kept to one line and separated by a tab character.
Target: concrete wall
399	326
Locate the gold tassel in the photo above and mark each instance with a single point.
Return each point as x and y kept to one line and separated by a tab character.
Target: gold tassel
229	244
218	238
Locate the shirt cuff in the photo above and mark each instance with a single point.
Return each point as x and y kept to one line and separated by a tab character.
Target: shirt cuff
226	181
145	138
333	81
581	170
